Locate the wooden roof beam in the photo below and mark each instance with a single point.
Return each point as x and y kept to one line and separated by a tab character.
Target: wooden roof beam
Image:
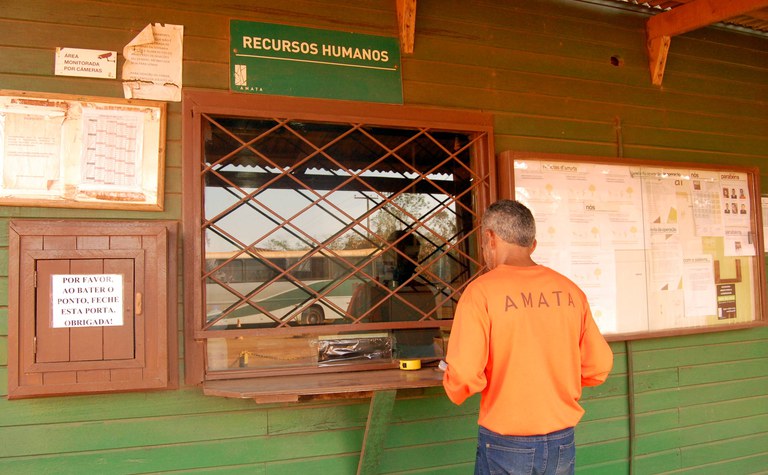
661	27
406	24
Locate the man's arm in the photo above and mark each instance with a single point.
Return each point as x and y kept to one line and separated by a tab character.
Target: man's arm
596	354
467	348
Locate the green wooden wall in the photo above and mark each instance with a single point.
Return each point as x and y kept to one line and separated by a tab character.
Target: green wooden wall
559	76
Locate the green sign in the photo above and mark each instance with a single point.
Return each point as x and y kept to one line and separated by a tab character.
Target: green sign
287	60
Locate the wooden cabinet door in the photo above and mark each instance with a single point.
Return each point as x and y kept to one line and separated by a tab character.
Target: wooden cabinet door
100	348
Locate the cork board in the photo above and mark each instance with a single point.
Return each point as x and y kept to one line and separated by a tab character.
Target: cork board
81	152
658	247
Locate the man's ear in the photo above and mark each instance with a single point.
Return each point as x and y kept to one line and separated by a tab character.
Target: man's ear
533	246
489	239
487	248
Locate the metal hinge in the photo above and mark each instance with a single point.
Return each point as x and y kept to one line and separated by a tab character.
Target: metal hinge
35	276
34	345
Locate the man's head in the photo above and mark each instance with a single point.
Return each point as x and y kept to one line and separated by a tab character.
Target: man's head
509	234
406	243
511	221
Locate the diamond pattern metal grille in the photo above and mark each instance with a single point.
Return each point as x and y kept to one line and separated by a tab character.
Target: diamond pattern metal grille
315	223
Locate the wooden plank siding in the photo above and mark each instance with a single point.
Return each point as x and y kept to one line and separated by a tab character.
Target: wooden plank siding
560	77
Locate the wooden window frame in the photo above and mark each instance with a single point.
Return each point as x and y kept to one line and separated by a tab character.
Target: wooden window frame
198	102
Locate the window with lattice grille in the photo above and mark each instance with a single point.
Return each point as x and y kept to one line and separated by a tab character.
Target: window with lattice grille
326	243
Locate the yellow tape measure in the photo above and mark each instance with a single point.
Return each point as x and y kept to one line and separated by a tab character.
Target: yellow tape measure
410	365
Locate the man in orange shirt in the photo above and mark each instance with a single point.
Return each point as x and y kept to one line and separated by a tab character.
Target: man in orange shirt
523	336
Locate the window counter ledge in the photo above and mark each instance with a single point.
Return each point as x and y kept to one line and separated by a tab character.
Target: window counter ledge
291	388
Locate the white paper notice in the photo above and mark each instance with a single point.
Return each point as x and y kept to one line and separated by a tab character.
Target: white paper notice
112	150
707	205
153	61
79	300
87	63
30	146
699	288
764	206
738	242
736	214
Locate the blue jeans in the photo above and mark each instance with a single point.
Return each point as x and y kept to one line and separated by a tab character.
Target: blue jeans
550	454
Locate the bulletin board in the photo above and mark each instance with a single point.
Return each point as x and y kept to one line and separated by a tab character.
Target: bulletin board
658	247
81	152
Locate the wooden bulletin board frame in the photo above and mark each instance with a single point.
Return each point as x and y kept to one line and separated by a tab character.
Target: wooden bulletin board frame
659	248
69	151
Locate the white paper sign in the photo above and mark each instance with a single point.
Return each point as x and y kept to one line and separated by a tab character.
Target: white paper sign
83	300
153	62
88	63
764	206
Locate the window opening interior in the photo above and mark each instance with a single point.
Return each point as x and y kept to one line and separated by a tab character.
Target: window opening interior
310	227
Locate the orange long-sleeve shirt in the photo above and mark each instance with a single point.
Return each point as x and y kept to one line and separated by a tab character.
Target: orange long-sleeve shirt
525	339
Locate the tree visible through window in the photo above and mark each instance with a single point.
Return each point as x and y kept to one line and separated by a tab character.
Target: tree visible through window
331	244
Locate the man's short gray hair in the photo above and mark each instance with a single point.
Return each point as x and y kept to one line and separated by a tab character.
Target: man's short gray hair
512	221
